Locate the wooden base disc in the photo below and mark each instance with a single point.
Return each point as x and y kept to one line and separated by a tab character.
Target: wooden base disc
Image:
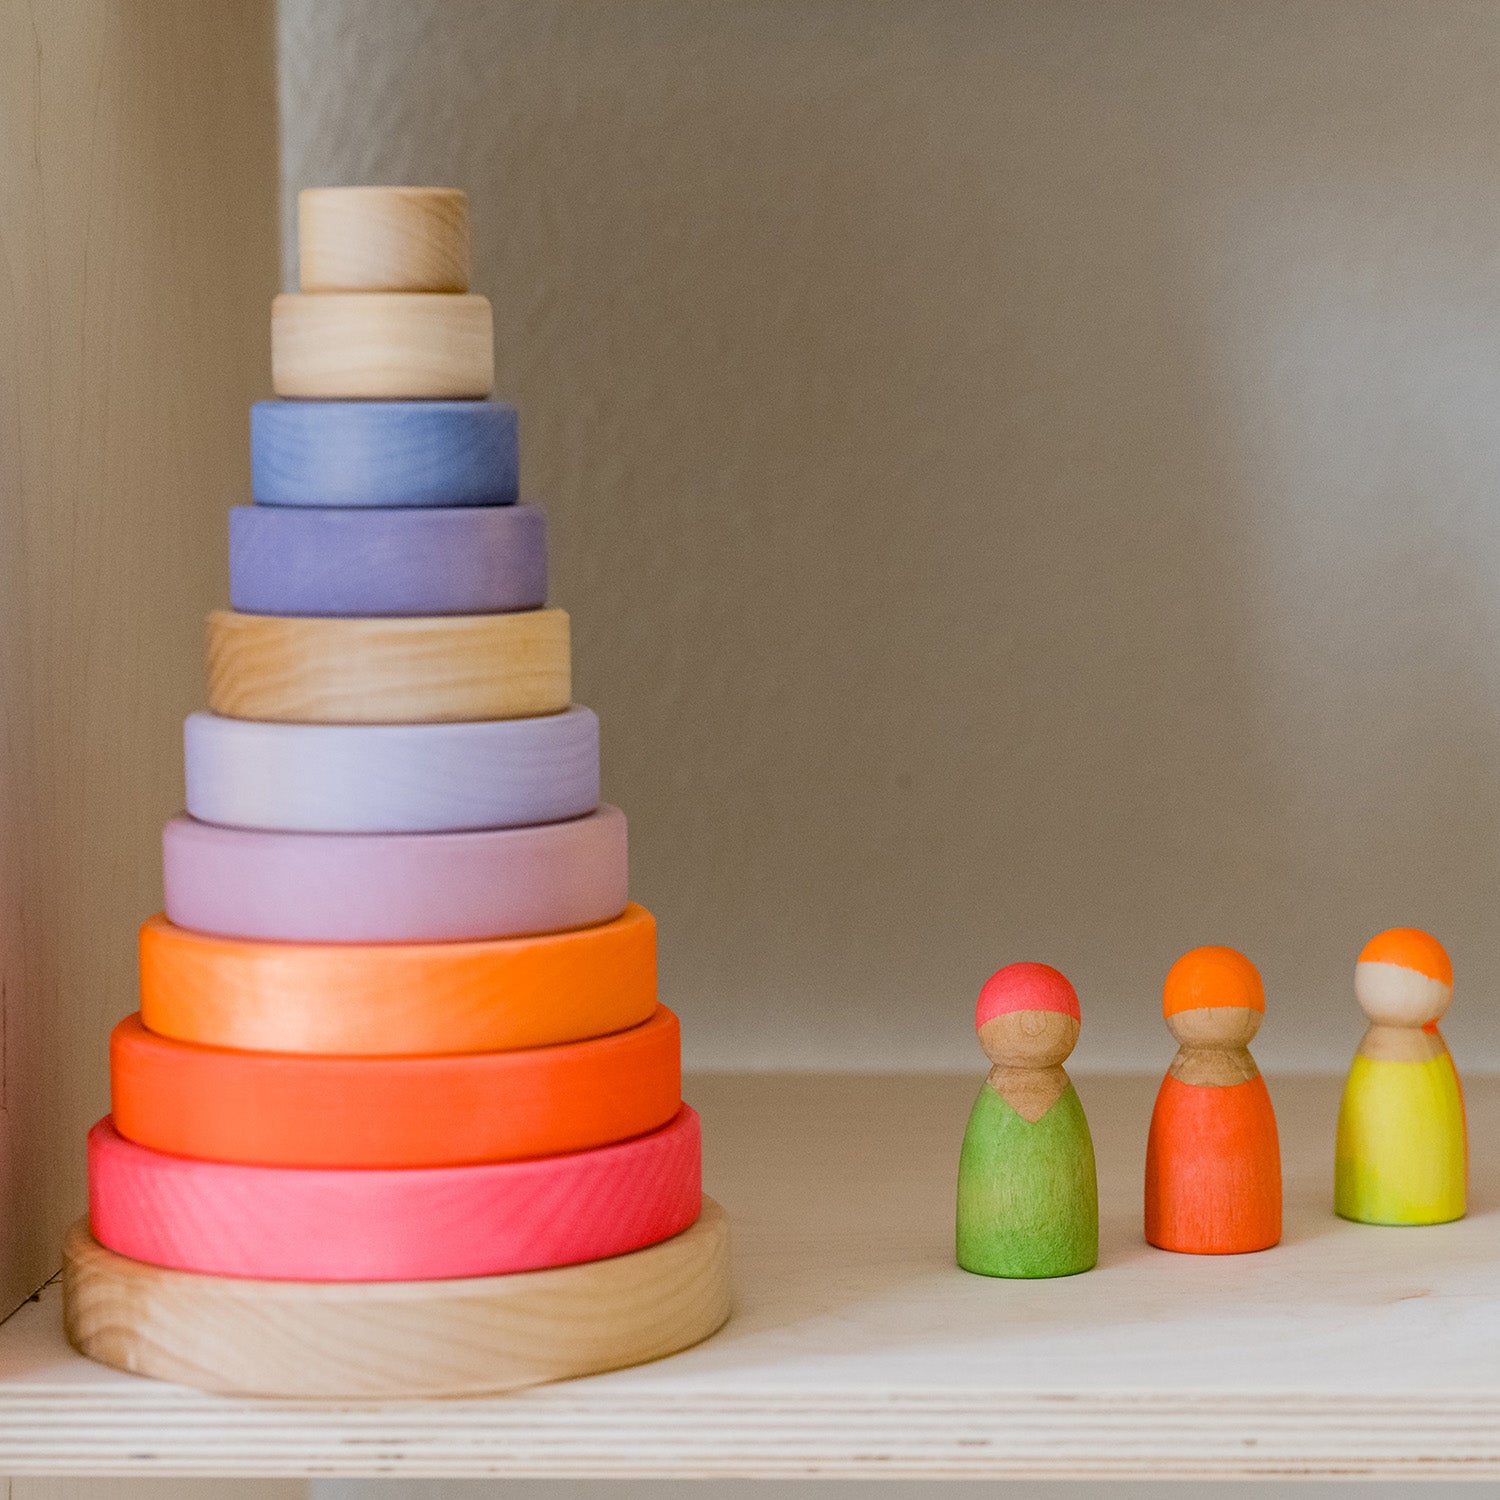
389	1340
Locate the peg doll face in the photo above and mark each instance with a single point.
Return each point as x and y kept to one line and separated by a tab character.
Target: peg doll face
1215	1026
1029	1038
1403	978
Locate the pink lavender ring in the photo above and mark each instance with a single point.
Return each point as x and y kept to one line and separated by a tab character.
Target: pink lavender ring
391	778
392	1224
470	560
395	887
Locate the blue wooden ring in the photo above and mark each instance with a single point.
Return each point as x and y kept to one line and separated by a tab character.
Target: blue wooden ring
391	778
383	453
421	561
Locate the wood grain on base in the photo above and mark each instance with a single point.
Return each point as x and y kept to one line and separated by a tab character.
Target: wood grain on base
286	1109
382	345
390	999
397	1340
383	239
418	670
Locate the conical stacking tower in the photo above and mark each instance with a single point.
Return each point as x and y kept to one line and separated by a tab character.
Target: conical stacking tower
400	1114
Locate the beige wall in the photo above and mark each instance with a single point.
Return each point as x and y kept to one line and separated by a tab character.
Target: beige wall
137	248
1025	476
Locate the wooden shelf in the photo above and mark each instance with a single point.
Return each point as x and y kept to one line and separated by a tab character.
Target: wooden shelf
858	1349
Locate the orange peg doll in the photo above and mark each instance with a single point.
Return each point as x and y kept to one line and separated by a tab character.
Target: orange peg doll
1213	1161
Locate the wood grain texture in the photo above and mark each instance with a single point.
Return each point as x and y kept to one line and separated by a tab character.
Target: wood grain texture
397	1340
1213	1168
408	1224
382	345
390	999
292	1110
383	239
384	454
388	671
1028	1196
138	199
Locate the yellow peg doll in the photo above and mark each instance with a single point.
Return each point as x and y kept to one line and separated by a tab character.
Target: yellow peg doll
1402	1151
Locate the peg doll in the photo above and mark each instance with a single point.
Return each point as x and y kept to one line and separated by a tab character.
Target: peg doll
1028	1201
1213	1160
1402	1149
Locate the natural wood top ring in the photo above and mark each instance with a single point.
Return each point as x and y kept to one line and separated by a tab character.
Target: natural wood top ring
383	239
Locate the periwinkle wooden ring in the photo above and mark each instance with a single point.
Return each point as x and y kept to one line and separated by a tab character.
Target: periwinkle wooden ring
383	239
398	999
417	670
391	778
384	453
283	1109
412	1224
396	1340
425	560
396	887
382	345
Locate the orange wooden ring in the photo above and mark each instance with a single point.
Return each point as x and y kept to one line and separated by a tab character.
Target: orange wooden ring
386	999
290	1110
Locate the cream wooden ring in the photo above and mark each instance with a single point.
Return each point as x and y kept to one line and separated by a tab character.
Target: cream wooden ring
383	239
396	1340
412	670
381	345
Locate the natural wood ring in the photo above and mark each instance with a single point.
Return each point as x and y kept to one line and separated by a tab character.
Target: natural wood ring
418	670
280	1109
409	1224
381	345
383	239
391	999
396	1340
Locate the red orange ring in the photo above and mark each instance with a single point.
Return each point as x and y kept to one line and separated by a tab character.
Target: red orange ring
294	1110
389	999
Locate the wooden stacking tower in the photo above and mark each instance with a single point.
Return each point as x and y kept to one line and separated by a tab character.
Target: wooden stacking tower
400	1114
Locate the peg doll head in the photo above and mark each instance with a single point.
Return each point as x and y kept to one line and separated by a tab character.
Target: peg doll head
1403	978
1027	1017
1213	997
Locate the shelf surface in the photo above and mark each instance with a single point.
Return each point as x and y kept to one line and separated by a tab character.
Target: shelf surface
858	1349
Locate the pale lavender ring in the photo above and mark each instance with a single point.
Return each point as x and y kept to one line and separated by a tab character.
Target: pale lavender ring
369	562
395	887
391	778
